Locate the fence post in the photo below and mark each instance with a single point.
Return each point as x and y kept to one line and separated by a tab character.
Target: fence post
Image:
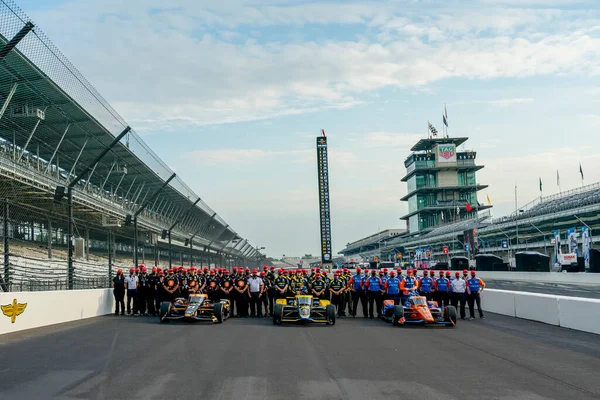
70	268
5	227
110	260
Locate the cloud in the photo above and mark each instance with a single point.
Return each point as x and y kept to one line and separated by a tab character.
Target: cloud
239	157
176	71
391	139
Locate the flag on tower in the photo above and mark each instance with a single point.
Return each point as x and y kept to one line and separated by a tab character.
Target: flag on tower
432	129
540	184
468	207
445	116
557	178
580	170
323	132
489	201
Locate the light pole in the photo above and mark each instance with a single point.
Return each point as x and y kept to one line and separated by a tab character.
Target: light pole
258	255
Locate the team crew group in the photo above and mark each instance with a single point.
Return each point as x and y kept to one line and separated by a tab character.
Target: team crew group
252	294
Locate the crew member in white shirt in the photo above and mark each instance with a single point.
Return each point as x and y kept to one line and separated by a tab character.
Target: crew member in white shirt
255	284
132	282
459	290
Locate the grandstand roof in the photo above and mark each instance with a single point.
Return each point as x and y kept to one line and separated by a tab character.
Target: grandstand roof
78	124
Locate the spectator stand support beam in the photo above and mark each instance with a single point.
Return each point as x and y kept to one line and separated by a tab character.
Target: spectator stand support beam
142	208
202	228
216	237
177	221
29	138
70	271
57	147
13	89
16	39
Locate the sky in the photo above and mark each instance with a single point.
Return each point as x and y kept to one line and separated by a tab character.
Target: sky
232	95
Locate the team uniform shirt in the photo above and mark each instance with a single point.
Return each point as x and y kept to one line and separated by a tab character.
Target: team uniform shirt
475	284
119	283
281	282
459	285
299	284
212	284
442	285
318	285
131	282
337	284
357	282
226	283
392	286
373	284
241	283
425	284
409	284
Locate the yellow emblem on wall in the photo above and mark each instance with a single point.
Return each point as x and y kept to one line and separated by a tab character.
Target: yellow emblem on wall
13	310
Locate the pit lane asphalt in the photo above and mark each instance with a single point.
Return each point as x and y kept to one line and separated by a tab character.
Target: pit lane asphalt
138	358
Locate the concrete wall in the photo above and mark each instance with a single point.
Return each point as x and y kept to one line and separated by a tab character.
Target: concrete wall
554	277
568	312
48	308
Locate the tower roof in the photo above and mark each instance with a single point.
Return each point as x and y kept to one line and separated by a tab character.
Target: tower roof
428	144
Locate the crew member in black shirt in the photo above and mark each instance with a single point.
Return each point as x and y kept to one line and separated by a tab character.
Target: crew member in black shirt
119	292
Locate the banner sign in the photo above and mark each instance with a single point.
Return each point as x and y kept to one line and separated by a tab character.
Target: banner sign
505	244
423	253
557	249
470	238
572	241
567	259
446	153
323	172
586	245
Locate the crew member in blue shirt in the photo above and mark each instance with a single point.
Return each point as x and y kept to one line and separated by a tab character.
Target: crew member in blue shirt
425	284
374	287
474	287
392	288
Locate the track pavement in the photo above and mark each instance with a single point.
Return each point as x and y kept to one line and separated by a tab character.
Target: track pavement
138	358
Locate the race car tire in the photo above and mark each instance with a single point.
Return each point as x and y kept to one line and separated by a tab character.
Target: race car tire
218	312
277	314
398	315
165	308
450	315
330	314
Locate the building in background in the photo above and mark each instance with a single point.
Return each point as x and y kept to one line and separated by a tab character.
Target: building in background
442	184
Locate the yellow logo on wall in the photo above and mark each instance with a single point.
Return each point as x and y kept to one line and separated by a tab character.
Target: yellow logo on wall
13	310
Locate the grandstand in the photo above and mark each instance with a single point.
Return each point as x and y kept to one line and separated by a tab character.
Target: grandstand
531	228
80	191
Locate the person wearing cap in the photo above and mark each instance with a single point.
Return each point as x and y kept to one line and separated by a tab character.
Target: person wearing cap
170	286
357	292
152	278
408	285
118	285
474	288
143	288
336	287
442	290
392	288
299	283
373	285
264	297
226	285
459	291
425	284
255	287
212	286
280	285
132	283
241	294
318	287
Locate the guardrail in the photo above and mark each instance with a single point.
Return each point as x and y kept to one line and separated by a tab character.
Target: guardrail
564	311
27	310
580	278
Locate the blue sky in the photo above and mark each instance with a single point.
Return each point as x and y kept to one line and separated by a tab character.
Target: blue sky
231	96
